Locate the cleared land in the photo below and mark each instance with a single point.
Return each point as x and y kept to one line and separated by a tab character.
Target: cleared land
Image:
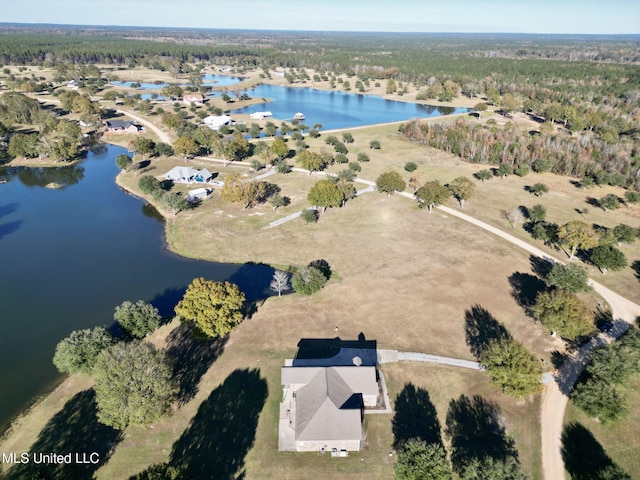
403	277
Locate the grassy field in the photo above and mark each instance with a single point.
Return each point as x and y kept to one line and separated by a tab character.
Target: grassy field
619	440
404	277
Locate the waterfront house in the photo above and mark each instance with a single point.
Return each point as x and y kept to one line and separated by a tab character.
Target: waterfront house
188	175
121	126
193	99
324	399
214	122
261	115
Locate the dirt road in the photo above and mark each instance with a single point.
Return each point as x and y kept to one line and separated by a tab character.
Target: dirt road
555	394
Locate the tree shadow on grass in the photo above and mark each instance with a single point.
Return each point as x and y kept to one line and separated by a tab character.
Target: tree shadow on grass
74	429
224	429
584	458
415	417
540	266
475	428
635	266
480	328
191	357
525	289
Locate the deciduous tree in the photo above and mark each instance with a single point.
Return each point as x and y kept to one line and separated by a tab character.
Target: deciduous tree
308	280
280	282
419	460
462	189
571	277
310	161
484	175
390	182
214	308
512	368
123	161
134	385
185	146
563	312
577	235
137	319
79	351
431	194
324	194
237	189
608	257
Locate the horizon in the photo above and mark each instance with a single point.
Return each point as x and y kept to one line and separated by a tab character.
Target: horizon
284	30
570	17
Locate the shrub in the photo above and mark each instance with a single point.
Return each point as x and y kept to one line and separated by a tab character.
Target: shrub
410	166
308	280
309	215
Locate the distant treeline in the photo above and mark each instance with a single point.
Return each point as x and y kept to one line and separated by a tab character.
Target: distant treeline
585	156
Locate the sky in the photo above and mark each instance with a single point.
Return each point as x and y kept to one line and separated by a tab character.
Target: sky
512	16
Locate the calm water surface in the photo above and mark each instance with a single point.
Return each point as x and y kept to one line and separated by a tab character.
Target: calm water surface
69	256
338	109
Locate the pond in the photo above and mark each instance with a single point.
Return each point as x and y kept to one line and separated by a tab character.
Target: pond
211	80
69	256
335	109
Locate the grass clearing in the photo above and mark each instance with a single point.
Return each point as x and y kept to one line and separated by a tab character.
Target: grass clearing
620	440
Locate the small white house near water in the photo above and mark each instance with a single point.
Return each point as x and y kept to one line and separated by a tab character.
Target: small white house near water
214	122
188	175
261	115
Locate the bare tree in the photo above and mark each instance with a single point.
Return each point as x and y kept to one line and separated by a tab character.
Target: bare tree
280	282
514	217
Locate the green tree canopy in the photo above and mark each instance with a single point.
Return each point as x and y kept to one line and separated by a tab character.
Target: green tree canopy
308	280
577	235
608	257
419	460
185	146
563	312
492	468
538	189
484	175
215	308
144	146
137	319
325	194
512	368
149	184
601	400
310	161
571	277
389	182
123	161
432	194
134	385
462	189
78	352
609	202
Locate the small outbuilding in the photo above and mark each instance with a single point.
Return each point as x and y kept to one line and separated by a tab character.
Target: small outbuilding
197	194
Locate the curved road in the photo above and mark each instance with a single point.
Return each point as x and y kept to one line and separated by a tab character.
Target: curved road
161	135
555	394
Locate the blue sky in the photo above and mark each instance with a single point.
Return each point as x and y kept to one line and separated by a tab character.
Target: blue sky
533	16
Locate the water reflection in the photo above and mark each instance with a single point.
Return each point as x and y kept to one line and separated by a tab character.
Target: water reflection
59	177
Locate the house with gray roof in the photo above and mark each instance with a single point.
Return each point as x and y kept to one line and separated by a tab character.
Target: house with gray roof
323	405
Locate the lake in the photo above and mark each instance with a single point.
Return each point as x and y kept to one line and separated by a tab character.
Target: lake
70	256
335	109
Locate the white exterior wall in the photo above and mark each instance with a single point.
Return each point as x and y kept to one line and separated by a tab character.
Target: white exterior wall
370	400
317	445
